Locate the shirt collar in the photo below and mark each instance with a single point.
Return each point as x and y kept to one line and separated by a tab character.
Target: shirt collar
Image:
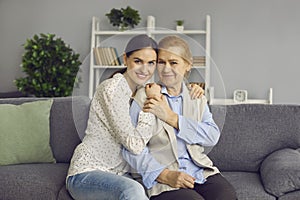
165	91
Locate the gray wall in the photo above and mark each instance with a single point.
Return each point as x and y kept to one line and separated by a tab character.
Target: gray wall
255	43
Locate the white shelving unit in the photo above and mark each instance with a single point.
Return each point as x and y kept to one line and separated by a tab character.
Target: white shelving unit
152	31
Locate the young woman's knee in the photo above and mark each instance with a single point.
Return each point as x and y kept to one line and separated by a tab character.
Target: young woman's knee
134	191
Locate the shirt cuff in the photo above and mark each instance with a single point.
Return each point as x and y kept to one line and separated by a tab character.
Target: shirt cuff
150	180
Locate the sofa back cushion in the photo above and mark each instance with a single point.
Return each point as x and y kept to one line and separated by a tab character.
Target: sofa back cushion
68	120
25	133
253	131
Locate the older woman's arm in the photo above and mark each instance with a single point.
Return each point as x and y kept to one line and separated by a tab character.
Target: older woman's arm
205	133
144	164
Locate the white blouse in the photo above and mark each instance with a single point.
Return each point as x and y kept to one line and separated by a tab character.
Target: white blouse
109	127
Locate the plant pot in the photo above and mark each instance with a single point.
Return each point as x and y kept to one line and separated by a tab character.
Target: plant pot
123	28
179	28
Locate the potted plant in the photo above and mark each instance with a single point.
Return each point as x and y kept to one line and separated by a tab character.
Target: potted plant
51	67
124	17
179	24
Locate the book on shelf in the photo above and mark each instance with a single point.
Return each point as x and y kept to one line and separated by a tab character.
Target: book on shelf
97	56
106	56
199	60
117	59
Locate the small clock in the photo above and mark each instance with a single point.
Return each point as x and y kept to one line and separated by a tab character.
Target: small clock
240	96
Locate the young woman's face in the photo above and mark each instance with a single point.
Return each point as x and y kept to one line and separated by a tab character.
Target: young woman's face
171	68
140	66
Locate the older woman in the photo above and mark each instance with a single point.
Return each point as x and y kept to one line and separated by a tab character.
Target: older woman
174	166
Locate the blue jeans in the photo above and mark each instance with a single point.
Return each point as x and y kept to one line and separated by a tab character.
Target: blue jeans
104	186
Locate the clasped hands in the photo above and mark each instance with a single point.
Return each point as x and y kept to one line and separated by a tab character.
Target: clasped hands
157	104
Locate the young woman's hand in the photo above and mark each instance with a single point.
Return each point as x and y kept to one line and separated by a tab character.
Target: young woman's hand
153	90
195	91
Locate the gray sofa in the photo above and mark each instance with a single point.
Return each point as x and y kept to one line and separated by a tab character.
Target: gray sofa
257	151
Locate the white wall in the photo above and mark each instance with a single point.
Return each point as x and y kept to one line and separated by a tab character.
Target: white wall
255	43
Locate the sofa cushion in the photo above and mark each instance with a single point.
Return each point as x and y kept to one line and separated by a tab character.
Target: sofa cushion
68	120
280	172
247	185
25	134
64	194
33	181
69	117
290	196
251	132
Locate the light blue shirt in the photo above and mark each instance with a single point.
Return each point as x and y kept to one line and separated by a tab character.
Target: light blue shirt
205	133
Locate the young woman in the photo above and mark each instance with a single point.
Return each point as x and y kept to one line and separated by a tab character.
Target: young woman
178	168
97	169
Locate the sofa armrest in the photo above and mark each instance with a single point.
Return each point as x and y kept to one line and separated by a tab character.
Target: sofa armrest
280	171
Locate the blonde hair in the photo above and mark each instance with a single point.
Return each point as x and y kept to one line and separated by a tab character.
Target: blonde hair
177	46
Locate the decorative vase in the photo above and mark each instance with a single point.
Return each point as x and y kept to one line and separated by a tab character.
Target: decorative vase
123	28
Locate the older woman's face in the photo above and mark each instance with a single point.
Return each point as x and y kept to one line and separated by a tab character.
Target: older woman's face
171	68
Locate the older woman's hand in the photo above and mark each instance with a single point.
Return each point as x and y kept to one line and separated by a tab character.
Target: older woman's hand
176	179
160	108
